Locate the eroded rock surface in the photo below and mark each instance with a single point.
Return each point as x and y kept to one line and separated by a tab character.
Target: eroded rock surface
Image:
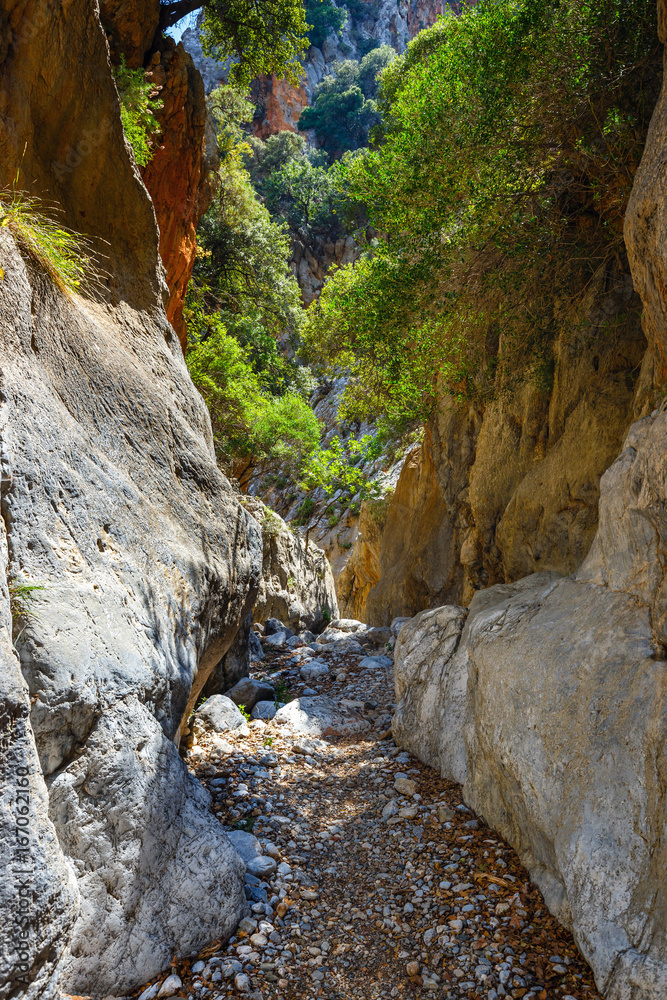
113	504
297	585
564	721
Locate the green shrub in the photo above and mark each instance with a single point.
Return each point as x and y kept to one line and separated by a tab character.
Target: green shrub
340	115
250	426
137	107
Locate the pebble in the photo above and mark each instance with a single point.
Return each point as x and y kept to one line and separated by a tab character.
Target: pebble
170	986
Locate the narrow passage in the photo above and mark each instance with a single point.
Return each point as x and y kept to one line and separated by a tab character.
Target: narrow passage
371	877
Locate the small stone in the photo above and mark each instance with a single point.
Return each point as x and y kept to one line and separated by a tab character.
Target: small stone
445	815
171	985
405	786
262	866
560	970
412	968
242	982
391	809
408	812
199	966
149	992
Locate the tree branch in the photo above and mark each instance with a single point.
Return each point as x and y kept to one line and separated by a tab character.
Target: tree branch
172	13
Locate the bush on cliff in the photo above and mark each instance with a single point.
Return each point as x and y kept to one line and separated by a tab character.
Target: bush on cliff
137	104
510	136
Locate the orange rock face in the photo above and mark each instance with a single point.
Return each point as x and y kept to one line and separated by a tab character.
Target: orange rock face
181	175
279	105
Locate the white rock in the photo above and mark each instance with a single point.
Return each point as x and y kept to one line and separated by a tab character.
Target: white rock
171	985
262	866
149	992
314	670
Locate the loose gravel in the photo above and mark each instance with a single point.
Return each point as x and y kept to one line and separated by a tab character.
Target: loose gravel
373	878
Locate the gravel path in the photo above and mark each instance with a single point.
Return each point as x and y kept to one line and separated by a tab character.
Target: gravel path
374	879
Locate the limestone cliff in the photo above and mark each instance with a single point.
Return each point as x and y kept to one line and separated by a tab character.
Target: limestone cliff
113	504
547	698
503	490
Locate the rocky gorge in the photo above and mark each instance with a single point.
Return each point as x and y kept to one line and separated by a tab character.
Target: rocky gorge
437	770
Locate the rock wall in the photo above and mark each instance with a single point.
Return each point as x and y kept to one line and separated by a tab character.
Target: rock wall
113	504
181	177
550	704
548	700
646	224
297	584
511	488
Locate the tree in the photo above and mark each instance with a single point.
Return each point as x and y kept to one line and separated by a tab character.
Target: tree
258	36
340	115
324	17
371	66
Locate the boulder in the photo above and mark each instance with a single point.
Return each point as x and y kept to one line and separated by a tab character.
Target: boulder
373	662
249	691
314	670
265	710
347	624
319	716
565	722
147	844
220	714
274	626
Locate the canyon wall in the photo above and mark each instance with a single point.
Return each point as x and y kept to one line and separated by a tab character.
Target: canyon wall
547	697
145	564
498	491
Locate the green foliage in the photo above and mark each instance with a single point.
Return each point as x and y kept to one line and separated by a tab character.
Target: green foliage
510	138
250	425
324	17
268	36
299	188
242	302
137	104
305	511
62	254
340	115
371	66
246	715
339	469
282	693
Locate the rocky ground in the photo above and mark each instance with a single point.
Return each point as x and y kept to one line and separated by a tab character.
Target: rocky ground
367	875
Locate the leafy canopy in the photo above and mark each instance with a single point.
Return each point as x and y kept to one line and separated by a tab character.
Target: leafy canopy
258	36
242	301
323	17
510	138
